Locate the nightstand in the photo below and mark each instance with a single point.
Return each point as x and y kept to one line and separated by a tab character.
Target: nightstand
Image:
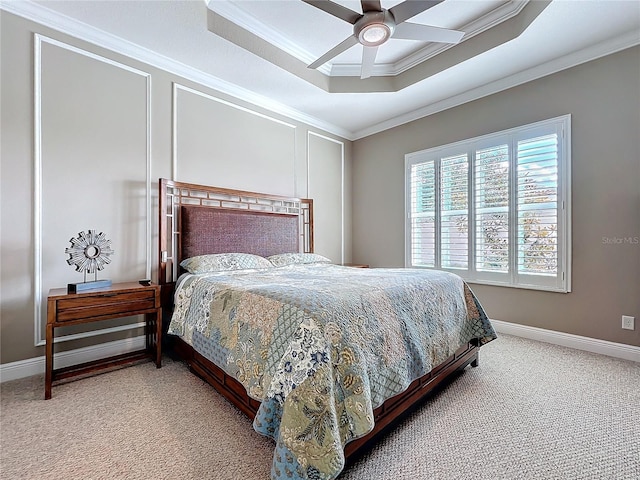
355	265
118	300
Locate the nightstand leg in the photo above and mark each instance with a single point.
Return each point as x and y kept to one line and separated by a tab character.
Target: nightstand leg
48	374
159	338
154	320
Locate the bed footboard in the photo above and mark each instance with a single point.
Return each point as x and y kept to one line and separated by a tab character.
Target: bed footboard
387	415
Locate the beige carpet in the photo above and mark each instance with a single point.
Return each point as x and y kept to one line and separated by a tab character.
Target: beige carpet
530	411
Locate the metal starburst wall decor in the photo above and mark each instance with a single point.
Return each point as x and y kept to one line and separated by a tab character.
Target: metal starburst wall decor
88	253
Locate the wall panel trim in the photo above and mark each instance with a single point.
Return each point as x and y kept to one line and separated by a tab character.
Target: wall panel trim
37	179
174	123
342	199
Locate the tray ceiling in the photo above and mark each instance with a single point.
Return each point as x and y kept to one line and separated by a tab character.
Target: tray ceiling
258	51
258	25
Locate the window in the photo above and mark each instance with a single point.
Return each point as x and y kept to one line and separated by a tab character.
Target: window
494	209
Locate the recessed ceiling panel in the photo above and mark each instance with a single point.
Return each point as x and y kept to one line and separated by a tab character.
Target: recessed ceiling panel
307	32
389	66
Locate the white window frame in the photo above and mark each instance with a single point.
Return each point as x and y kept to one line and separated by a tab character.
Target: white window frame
561	282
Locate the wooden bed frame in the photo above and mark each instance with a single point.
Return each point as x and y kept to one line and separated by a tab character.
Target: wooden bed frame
196	219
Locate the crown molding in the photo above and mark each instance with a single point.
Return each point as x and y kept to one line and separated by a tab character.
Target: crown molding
622	42
485	22
245	20
241	18
66	25
502	33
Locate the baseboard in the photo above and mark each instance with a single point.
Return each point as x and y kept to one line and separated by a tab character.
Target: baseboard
35	366
603	347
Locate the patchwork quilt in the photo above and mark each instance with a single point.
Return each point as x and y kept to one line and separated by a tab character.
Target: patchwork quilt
322	345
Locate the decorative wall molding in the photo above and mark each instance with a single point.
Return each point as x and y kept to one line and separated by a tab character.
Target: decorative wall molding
37	182
41	14
178	86
342	199
35	366
174	121
594	345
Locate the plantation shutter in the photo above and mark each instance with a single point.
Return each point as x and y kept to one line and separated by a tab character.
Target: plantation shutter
492	209
423	214
537	204
454	211
495	209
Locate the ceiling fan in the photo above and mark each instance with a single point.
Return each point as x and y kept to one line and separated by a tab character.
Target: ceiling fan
376	25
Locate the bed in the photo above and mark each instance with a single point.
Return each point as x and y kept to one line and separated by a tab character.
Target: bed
324	358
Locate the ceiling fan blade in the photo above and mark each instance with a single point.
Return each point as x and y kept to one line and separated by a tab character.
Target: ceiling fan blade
368	61
426	33
336	10
371	6
410	8
335	51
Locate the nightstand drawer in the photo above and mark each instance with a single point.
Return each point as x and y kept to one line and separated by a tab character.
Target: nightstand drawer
109	303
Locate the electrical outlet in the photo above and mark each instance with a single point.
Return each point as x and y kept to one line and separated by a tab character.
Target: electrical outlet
628	322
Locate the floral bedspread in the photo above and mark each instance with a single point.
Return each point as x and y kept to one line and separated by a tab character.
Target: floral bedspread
322	345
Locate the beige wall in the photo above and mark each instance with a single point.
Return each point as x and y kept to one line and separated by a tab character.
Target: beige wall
325	171
110	127
603	98
212	138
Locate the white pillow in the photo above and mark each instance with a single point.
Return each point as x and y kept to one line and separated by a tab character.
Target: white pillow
224	261
282	259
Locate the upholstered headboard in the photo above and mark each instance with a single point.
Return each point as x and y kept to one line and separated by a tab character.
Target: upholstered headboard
219	230
198	219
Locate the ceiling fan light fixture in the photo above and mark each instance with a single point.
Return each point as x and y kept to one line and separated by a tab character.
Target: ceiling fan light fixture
374	28
374	34
376	25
